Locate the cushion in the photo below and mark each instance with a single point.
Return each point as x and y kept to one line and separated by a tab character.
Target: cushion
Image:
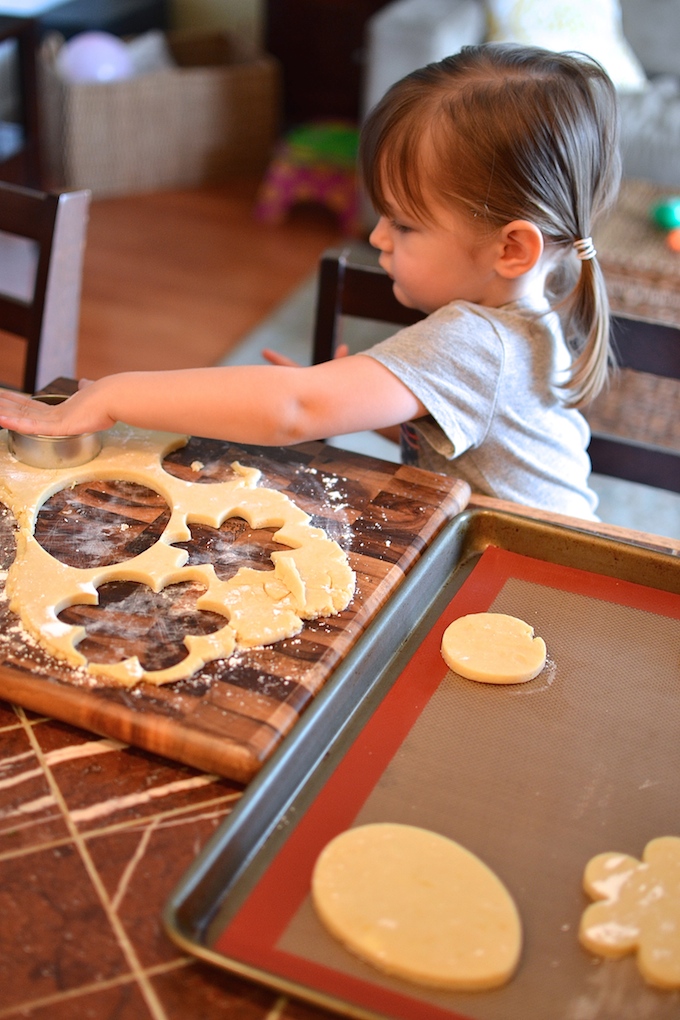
589	26
652	27
650	133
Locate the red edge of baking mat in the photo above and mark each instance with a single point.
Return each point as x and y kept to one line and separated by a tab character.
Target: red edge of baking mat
252	935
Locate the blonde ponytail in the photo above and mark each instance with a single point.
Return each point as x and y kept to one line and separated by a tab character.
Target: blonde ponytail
587	325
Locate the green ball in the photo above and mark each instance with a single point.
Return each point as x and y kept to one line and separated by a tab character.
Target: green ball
666	214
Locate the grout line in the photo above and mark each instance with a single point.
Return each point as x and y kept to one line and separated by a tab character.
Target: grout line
162	816
19	725
25	1008
31	807
86	749
25	851
163	819
131	866
211	806
166	968
73	993
171	821
103	808
20	777
276	1012
146	988
16	757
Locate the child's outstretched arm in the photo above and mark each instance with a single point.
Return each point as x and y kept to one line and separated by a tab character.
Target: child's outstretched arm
262	405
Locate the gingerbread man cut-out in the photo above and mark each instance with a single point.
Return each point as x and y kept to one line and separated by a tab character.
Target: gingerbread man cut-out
638	909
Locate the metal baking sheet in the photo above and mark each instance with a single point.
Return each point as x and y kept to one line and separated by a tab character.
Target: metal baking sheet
534	778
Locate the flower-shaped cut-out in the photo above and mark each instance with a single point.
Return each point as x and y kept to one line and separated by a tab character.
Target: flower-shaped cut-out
129	619
638	909
310	575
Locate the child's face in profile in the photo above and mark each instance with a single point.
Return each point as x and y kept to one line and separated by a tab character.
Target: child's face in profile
432	264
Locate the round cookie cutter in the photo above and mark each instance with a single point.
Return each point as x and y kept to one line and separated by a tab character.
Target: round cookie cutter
54	451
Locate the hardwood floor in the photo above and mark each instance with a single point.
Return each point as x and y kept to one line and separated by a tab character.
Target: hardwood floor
175	279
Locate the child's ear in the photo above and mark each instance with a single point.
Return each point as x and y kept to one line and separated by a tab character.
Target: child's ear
521	246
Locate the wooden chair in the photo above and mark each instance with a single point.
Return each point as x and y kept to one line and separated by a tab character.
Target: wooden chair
635	422
42	240
352	283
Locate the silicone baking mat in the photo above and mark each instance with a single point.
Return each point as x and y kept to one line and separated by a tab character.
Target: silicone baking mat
534	778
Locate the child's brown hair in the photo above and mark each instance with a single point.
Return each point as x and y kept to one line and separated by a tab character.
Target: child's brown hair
507	132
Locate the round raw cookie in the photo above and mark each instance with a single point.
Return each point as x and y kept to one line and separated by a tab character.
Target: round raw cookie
493	648
417	905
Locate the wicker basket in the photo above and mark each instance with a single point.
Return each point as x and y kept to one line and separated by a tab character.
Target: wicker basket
212	115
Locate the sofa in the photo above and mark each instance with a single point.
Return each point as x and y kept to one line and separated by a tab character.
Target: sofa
638	41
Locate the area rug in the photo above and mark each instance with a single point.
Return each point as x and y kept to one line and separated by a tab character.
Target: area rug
289	330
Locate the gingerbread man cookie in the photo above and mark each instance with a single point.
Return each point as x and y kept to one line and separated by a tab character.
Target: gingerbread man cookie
638	909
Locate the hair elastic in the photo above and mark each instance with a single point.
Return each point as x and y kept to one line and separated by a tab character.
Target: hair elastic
585	249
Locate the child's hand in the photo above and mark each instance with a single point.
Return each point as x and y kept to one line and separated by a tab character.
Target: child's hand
75	416
275	358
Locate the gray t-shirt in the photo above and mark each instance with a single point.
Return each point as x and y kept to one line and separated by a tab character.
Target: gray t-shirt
487	378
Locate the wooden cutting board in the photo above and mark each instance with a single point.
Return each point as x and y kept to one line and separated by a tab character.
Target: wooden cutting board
230	716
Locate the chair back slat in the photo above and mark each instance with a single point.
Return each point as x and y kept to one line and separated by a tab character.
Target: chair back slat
643	464
15	316
646	346
361	289
28	213
47	319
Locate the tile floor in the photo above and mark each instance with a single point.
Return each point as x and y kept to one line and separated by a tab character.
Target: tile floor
94	835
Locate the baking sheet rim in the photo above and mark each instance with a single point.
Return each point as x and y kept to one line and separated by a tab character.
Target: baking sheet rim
624	555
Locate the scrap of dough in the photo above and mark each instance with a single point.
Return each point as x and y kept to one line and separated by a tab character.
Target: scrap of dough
638	909
417	905
310	578
493	648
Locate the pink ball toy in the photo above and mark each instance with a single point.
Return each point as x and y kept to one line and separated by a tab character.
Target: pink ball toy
94	57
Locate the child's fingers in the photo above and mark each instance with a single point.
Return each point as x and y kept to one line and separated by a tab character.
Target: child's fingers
31	417
276	358
19	412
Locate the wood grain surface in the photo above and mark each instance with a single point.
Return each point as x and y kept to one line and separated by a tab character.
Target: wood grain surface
231	715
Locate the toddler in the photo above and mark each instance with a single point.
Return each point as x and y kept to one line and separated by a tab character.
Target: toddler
487	170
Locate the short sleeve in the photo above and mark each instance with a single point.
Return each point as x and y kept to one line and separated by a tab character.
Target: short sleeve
452	361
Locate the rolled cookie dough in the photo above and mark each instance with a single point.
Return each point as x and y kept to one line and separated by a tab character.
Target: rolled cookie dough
638	909
493	648
310	578
417	905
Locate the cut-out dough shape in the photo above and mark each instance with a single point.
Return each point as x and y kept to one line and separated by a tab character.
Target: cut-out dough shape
417	905
311	578
638	909
493	648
